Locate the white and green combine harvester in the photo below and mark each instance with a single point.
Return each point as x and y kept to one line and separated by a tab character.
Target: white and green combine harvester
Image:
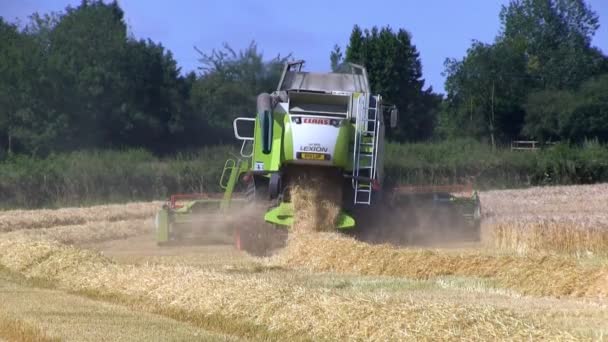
327	122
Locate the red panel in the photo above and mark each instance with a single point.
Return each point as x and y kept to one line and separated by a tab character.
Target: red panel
175	198
429	189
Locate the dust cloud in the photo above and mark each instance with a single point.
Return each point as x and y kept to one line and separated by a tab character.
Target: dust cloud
416	220
317	196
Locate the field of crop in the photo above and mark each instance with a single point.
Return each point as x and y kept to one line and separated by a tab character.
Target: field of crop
561	219
541	272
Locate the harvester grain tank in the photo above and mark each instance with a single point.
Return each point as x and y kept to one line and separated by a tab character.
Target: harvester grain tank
316	121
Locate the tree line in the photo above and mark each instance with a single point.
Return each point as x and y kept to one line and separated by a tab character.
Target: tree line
541	78
78	80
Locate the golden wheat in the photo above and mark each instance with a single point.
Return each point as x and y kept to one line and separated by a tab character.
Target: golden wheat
32	219
95	231
299	311
526	274
21	331
583	236
316	199
278	305
568	219
555	200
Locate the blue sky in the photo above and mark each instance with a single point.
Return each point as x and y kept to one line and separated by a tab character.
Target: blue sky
307	29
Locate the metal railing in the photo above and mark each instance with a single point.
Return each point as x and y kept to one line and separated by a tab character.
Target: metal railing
524	145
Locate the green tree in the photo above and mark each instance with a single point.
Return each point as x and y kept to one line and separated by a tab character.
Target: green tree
11	69
589	118
87	47
229	85
336	59
545	109
355	48
26	122
485	93
543	48
154	110
555	36
76	80
394	69
570	115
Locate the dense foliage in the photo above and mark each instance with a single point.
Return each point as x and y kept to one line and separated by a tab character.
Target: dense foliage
537	80
77	80
395	71
229	85
79	178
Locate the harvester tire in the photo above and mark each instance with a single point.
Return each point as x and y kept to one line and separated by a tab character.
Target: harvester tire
258	189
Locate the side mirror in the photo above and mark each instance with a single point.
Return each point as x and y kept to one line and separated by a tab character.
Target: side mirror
394	117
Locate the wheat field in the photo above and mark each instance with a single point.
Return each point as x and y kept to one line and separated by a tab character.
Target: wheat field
557	219
11	220
548	279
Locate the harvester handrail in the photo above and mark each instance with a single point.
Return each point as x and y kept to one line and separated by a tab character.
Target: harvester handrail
243	146
228	165
244	139
236	131
354	67
287	68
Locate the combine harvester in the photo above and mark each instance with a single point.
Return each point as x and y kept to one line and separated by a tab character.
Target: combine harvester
327	122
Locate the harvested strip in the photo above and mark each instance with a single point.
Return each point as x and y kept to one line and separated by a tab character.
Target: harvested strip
96	231
534	275
32	219
73	318
280	306
18	330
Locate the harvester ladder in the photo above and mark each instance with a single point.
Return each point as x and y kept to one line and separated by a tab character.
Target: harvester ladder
232	170
366	147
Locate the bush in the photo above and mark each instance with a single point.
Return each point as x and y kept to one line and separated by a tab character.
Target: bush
106	176
460	161
89	177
